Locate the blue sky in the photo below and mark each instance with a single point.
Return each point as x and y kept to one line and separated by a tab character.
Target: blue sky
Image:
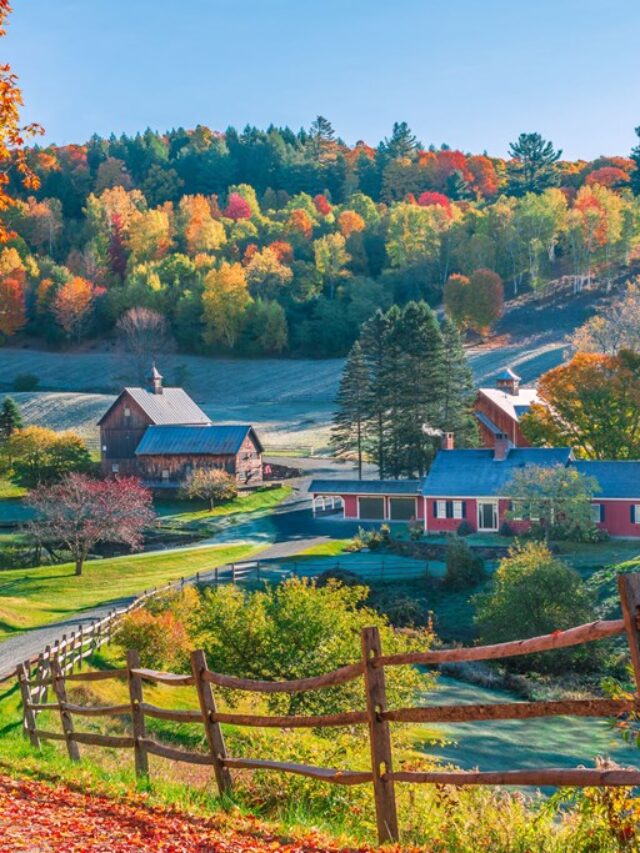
471	73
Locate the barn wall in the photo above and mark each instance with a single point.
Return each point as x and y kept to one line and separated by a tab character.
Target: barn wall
617	520
121	435
248	463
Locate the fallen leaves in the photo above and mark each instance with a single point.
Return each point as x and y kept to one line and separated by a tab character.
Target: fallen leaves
37	817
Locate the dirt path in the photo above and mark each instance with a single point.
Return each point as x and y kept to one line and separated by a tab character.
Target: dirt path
37	817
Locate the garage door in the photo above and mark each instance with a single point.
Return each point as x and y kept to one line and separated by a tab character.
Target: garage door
402	509
371	509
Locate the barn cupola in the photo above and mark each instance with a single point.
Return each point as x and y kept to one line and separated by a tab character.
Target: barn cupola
508	381
155	380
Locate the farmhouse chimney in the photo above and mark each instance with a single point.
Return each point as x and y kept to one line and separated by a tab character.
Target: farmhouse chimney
448	441
501	447
508	381
156	380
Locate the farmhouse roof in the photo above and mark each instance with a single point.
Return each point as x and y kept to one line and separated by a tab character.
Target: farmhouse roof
365	487
477	473
514	405
197	440
617	479
173	406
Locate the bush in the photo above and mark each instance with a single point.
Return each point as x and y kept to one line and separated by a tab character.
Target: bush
416	529
161	639
464	528
297	629
464	568
26	382
506	529
534	593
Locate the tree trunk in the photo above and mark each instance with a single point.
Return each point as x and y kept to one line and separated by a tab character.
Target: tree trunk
79	564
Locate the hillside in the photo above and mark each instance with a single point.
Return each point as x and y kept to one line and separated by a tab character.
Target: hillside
289	400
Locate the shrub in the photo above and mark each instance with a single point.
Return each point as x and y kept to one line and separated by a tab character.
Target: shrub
416	529
506	529
464	528
464	568
534	593
212	485
25	382
161	639
297	629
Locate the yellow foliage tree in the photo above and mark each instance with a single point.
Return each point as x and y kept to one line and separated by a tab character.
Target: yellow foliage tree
224	300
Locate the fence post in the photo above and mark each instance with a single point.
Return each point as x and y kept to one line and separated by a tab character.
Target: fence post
233	573
65	716
215	576
629	590
137	714
62	652
44	694
29	716
379	738
215	738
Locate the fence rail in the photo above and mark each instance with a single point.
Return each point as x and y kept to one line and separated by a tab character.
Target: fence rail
376	715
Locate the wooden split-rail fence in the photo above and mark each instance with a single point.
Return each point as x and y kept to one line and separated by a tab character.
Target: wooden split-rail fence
375	715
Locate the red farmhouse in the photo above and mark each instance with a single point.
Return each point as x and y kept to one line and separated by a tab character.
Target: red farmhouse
471	485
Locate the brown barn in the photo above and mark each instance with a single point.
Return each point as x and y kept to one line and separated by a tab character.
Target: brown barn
499	409
167	454
135	438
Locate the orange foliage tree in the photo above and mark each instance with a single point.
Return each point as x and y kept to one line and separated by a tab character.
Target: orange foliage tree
12	133
12	303
591	404
350	223
72	305
301	221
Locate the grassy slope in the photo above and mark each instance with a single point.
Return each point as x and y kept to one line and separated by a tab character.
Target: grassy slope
257	501
33	597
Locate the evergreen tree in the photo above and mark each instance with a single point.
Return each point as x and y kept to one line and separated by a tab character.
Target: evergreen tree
458	393
10	418
350	419
533	166
373	341
402	142
416	375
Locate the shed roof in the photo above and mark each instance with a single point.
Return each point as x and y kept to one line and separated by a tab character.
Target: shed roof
617	479
172	406
476	473
197	440
365	487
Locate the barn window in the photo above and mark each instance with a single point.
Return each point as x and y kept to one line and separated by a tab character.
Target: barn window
635	513
127	412
441	509
457	509
165	474
597	513
115	468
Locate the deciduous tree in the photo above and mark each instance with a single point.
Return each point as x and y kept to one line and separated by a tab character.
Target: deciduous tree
591	404
224	301
79	512
212	485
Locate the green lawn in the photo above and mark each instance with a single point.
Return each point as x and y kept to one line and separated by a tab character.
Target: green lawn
10	490
33	597
256	501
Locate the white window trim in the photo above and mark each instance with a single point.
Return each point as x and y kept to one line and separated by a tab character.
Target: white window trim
457	510
636	513
596	513
441	509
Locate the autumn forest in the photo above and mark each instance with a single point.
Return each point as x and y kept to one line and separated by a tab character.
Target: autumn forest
276	242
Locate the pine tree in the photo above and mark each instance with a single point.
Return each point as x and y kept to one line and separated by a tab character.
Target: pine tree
402	142
373	341
10	418
458	393
350	419
418	383
532	168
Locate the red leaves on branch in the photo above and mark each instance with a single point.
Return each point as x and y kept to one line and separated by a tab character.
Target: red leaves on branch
12	303
322	205
34	816
426	199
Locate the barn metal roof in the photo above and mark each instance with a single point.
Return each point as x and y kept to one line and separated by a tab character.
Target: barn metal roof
365	487
617	479
172	406
476	473
514	405
198	440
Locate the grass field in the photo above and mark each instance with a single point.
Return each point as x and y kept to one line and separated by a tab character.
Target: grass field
30	598
256	501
